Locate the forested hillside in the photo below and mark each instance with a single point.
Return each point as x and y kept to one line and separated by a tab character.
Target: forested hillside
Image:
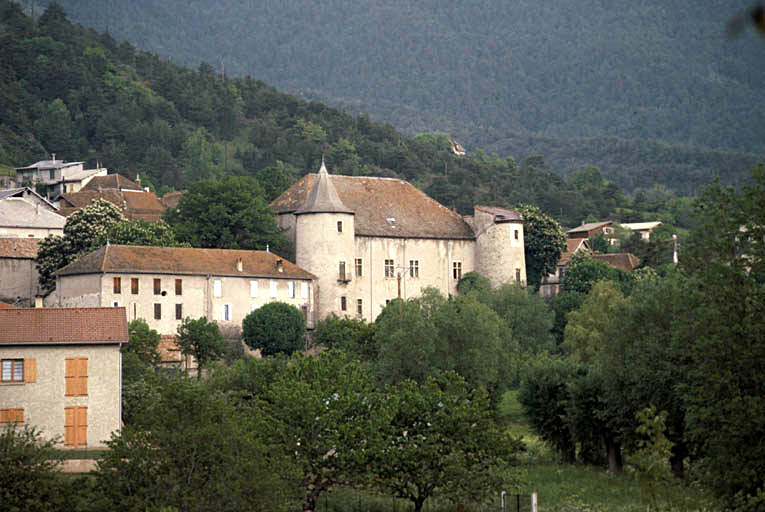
84	96
494	74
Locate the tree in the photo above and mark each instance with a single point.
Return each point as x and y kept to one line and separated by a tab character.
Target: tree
137	232
442	440
201	339
581	275
274	328
543	396
725	392
82	228
29	480
143	342
544	242
193	450
329	417
231	213
352	335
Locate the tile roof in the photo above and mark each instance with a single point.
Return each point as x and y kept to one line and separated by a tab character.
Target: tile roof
3	305
19	248
112	181
384	207
20	213
501	214
171	199
184	260
25	192
49	164
63	325
572	245
623	261
134	204
584	228
323	197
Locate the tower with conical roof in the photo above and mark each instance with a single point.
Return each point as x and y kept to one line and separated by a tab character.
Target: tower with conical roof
324	244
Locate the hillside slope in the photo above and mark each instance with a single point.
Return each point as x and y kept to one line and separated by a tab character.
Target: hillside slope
484	71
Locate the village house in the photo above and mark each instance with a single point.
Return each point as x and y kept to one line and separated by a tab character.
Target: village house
21	217
135	202
644	229
55	177
591	229
61	371
164	285
370	240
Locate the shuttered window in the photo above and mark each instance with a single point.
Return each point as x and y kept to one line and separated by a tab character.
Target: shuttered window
117	285
30	369
76	426
253	288
12	370
134	285
11	416
76	376
304	290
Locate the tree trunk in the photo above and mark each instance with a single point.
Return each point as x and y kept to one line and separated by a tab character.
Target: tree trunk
569	454
418	502
677	459
614	455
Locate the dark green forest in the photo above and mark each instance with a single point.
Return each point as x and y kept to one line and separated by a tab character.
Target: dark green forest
82	95
650	91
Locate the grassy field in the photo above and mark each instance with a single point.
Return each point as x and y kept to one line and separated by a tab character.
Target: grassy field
559	487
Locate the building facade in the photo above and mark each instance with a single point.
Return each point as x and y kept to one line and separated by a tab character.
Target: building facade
61	371
55	177
370	240
164	285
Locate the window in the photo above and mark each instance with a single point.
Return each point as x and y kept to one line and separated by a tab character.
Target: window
414	268
291	289
157	311
389	270
517	275
457	270
11	416
134	286
217	288
157	286
75	426
359	307
343	304
179	286
117	285
225	312
13	370
359	265
341	271
116	304
339	226
516	234
76	376
52	174
273	289
304	290
253	288
179	311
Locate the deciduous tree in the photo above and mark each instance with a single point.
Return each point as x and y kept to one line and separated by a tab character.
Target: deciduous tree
201	339
274	328
544	242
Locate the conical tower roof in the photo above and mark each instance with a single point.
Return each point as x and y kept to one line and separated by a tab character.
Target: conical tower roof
323	197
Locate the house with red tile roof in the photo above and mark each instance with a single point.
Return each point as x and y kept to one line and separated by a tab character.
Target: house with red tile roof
370	240
60	370
135	202
164	285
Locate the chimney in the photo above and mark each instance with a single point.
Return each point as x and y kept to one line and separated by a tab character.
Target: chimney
239	264
280	265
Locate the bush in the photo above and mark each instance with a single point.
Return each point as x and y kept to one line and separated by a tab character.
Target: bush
274	328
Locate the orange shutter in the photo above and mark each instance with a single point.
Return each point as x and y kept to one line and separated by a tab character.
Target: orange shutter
82	426
30	369
71	376
5	415
69	432
18	416
83	375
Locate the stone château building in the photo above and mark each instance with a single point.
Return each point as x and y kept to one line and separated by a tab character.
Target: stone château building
370	240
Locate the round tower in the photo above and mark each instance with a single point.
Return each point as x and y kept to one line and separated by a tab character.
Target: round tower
324	245
499	245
